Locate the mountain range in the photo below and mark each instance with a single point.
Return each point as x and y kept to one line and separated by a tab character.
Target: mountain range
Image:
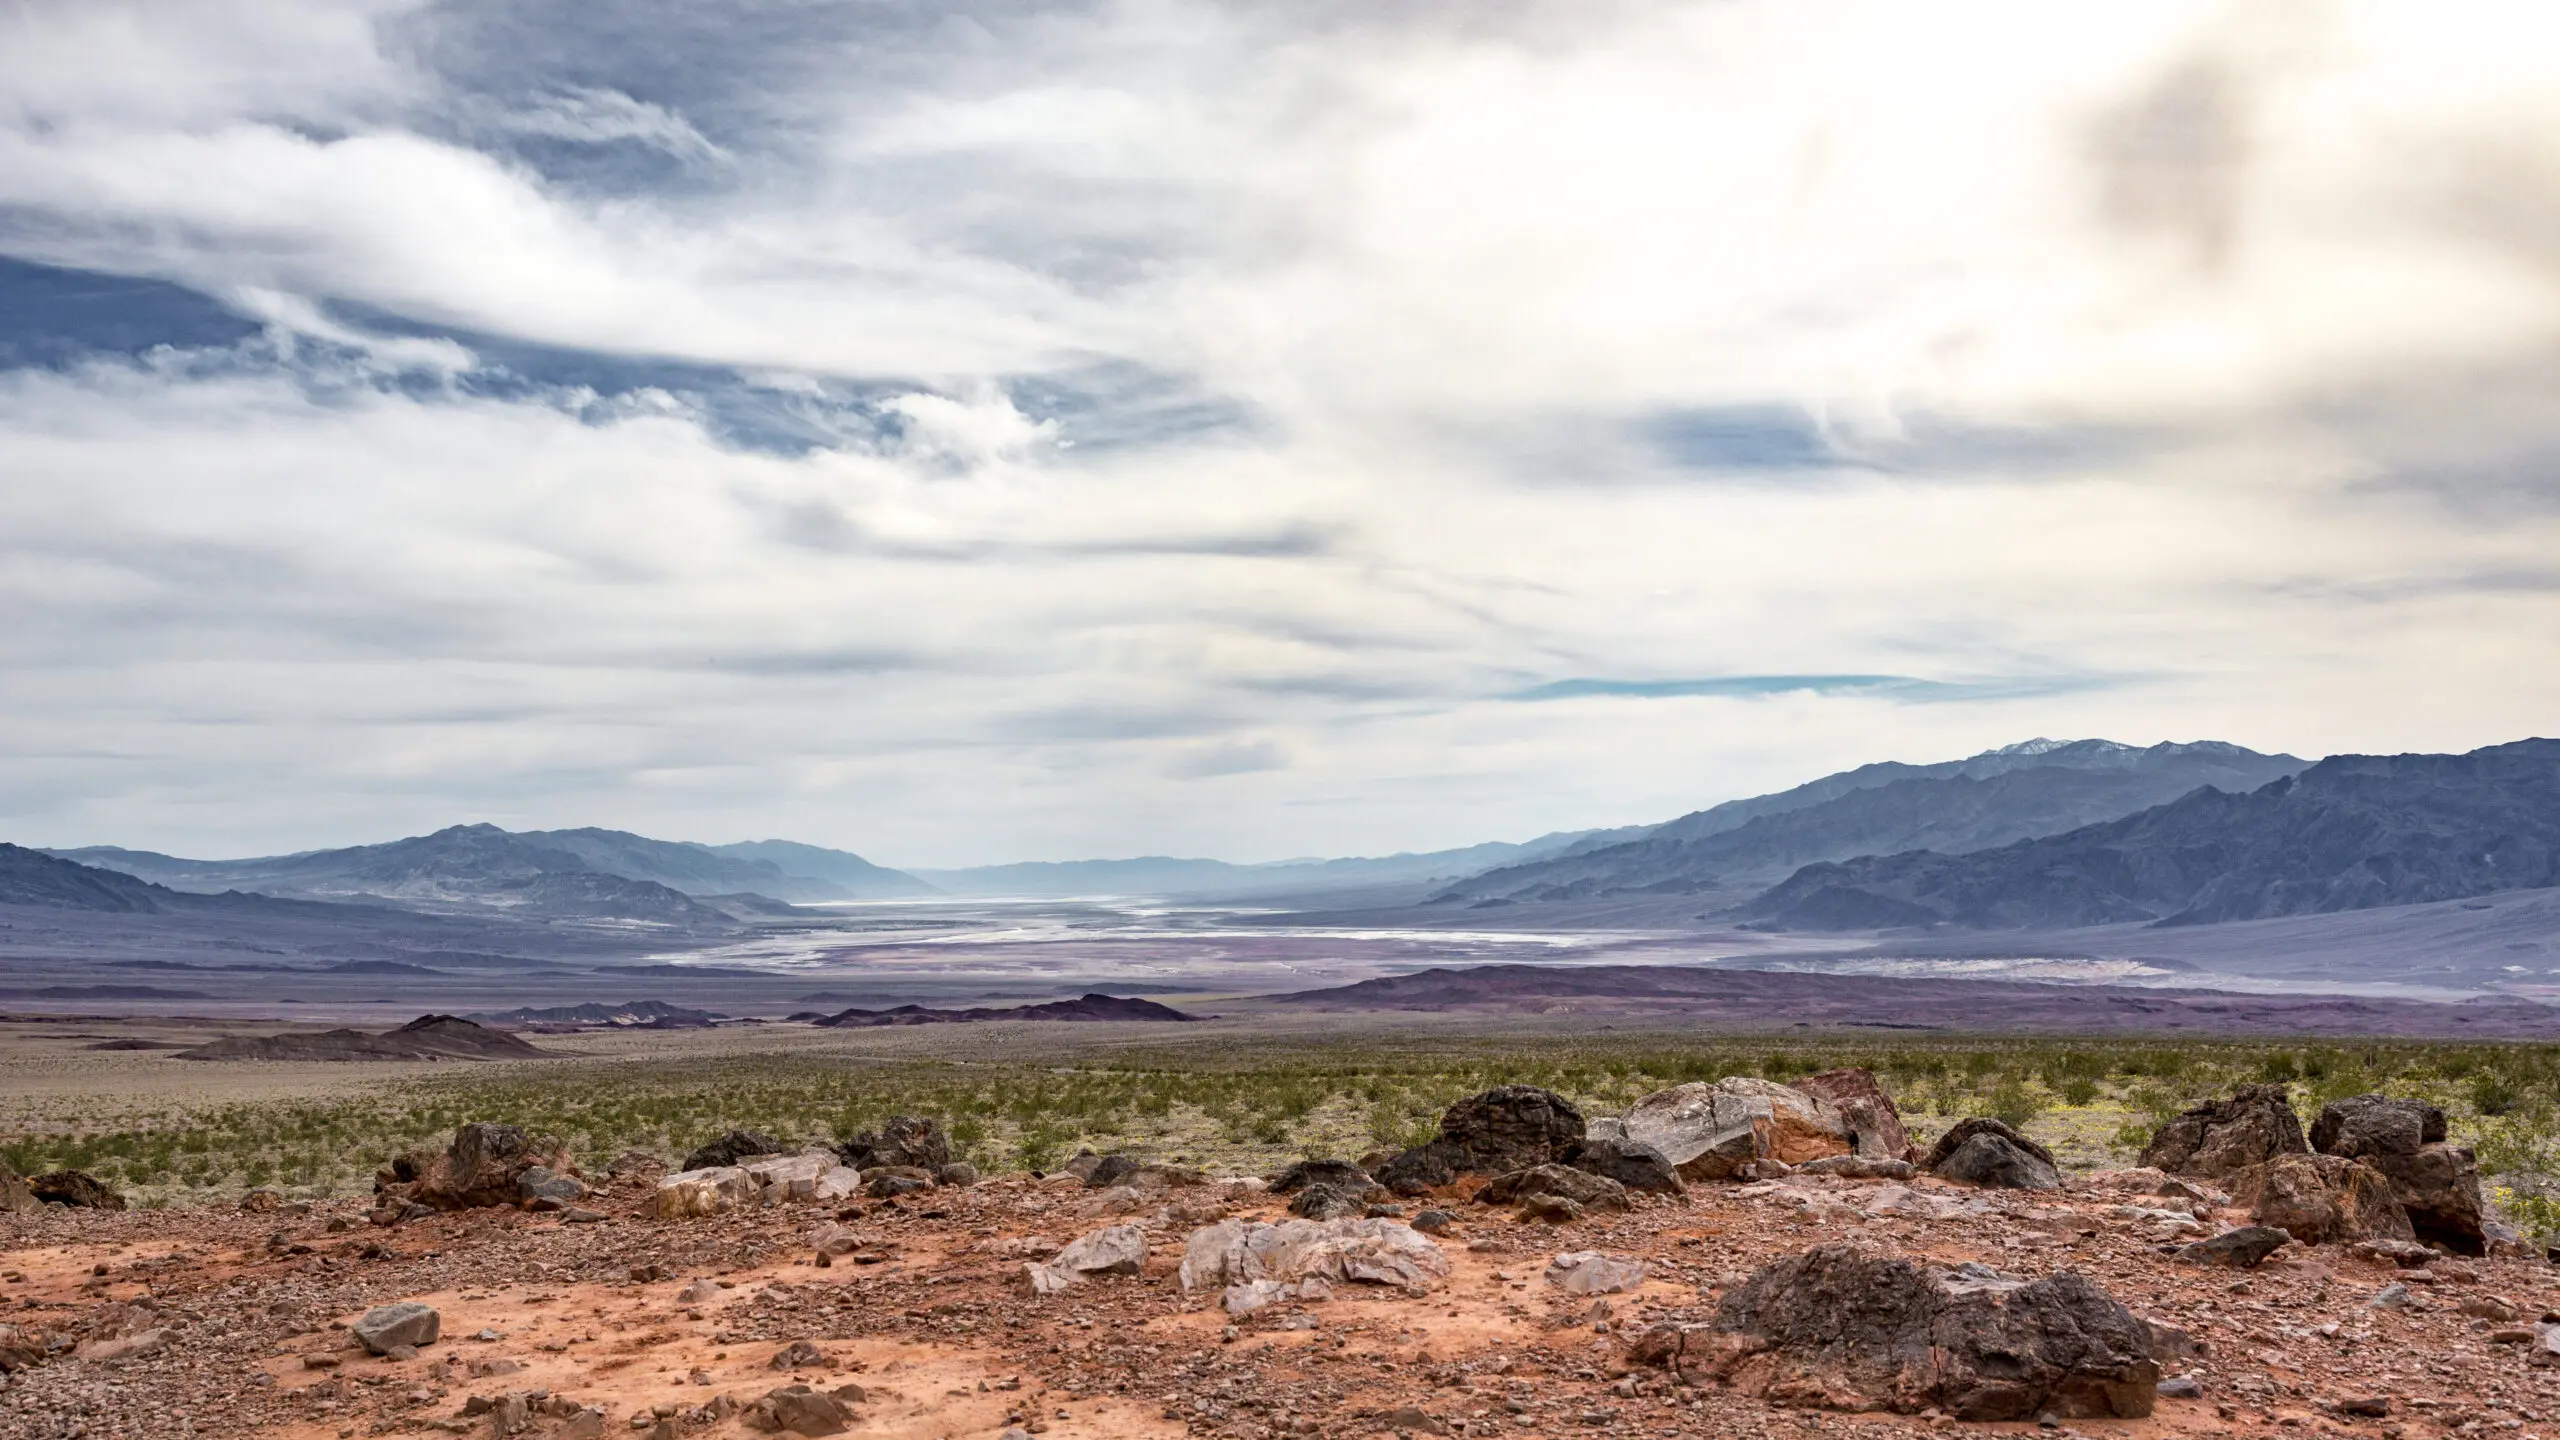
2353	832
2043	835
2041	787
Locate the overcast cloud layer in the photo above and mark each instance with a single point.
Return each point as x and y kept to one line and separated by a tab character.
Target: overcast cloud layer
969	432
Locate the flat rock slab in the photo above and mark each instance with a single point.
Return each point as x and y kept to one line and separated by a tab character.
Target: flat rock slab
406	1323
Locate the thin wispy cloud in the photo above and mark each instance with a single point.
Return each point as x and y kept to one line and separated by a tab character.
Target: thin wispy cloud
970	433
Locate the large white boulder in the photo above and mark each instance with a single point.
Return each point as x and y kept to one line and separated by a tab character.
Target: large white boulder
1365	1252
1710	1131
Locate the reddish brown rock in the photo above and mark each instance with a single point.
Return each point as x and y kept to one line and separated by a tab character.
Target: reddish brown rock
2321	1199
1875	1125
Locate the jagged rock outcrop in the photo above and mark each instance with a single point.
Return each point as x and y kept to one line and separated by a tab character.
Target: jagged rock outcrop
1844	1329
1510	1127
2321	1199
2436	1182
1875	1124
904	1140
1992	1153
1710	1131
484	1166
2220	1138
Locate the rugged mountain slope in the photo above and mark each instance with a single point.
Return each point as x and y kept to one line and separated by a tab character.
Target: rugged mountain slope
471	866
2038	788
33	877
2353	832
472	863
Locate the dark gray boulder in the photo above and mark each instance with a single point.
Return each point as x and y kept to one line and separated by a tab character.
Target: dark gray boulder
1328	1202
1842	1328
1339	1173
1510	1127
2244	1248
1563	1182
1632	1164
1992	1153
1996	1162
732	1147
903	1141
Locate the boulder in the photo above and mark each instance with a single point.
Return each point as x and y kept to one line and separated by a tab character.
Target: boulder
76	1188
482	1167
1340	1173
688	1194
1112	1250
1996	1162
538	1187
1992	1153
15	1197
2321	1199
1327	1202
1563	1182
1588	1272
1859	1167
731	1148
22	1346
409	1323
812	1174
2243	1248
1875	1125
1510	1127
799	1410
1360	1252
903	1140
1711	1131
2436	1183
2221	1138
1634	1165
1841	1328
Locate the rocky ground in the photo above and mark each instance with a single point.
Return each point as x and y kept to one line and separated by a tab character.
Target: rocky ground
210	1323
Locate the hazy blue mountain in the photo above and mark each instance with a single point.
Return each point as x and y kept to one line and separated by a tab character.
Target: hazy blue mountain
1169	875
2037	788
474	866
33	877
846	875
2352	832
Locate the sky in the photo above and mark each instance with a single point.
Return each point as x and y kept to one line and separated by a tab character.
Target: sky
971	432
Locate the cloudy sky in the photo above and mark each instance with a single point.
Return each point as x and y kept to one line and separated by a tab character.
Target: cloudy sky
984	431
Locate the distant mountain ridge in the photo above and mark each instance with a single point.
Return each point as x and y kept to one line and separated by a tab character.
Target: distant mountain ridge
1173	875
2352	832
555	874
2040	787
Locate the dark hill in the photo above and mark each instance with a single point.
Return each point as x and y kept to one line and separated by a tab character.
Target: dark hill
1086	1007
2353	832
2038	788
34	877
429	1037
